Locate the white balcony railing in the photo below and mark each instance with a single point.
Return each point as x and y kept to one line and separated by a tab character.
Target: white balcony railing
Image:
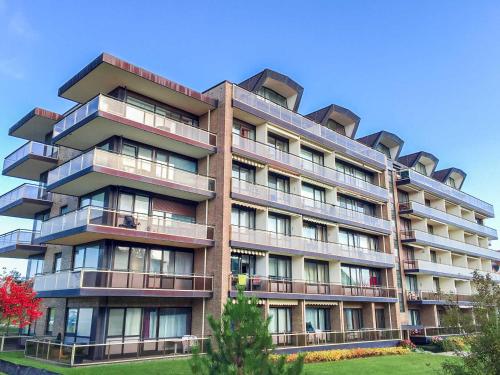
441	268
30	148
123	163
293	201
17	237
309	168
306	245
331	138
130	112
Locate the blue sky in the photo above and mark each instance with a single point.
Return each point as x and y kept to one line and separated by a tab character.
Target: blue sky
428	71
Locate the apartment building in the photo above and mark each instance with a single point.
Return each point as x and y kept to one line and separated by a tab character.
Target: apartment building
151	203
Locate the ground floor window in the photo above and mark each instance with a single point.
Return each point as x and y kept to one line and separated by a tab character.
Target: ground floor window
281	320
414	317
51	317
78	325
380	318
317	319
353	319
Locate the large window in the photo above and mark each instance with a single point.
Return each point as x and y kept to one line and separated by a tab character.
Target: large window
57	265
273	96
353	319
87	256
243	264
51	318
358	239
243	172
279	182
129	202
414	317
354	171
380	318
277	142
451	182
420	168
360	276
129	258
315	231
384	150
280	267
411	283
357	205
243	217
124	324
35	266
312	155
243	129
96	199
278	223
316	271
281	320
313	192
335	126
177	262
317	319
78	325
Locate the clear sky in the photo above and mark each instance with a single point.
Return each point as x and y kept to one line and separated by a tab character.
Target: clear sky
428	71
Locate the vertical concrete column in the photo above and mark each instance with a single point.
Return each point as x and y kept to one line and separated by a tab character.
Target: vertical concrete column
337	317
369	315
261	133
332	232
329	158
331	196
335	273
299	318
261	175
261	219
429	316
298	268
296	224
295	186
262	265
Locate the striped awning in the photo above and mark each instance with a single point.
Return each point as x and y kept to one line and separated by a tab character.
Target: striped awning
318	221
283	302
278	211
249	252
279	171
315	146
249	205
248	161
316	183
321	303
282	132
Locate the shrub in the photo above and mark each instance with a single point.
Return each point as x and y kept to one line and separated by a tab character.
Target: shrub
407	344
341	354
455	344
438	342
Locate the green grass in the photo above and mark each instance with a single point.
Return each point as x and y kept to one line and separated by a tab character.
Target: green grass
410	364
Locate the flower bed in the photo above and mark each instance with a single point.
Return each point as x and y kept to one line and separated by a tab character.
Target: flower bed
341	354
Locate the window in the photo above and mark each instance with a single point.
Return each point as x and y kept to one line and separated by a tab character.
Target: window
335	126
384	150
354	171
51	317
243	129
420	168
430	229
451	182
56	266
166	322
314	231
313	192
278	223
124	323
130	259
312	155
353	319
358	239
273	96
87	256
414	317
317	319
93	199
78	325
281	320
63	210
360	276
357	205
279	143
380	318
428	202
279	182
437	287
316	271
171	261
242	264
411	283
433	256
243	217
280	267
35	266
243	172
39	218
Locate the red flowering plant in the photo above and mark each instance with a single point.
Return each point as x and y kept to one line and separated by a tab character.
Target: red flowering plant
19	306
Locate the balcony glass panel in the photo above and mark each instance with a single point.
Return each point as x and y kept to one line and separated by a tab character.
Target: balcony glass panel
19	236
30	148
25	191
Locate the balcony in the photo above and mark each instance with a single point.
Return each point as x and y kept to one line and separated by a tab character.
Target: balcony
444	270
89	282
30	160
268	287
103	117
25	201
280	243
267	154
445	243
98	168
433	297
259	194
263	108
19	244
411	177
446	218
35	125
93	223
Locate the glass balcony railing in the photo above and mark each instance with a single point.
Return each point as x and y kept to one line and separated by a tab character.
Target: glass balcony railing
97	216
451	296
448	218
294	202
446	243
309	168
130	112
320	133
443	190
17	237
30	148
123	280
306	245
123	163
440	268
25	191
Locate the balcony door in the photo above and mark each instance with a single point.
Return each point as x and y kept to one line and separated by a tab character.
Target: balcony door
133	211
130	264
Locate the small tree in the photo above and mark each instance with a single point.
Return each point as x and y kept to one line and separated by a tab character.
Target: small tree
482	332
241	344
19	306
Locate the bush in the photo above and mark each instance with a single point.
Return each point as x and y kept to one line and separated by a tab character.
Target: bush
341	354
455	344
407	344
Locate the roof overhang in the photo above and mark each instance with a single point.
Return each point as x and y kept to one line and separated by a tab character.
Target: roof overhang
35	125
339	114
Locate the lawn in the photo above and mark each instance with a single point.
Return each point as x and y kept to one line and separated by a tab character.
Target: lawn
410	364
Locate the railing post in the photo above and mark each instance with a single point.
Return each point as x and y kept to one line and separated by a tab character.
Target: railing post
48	350
72	359
2	343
